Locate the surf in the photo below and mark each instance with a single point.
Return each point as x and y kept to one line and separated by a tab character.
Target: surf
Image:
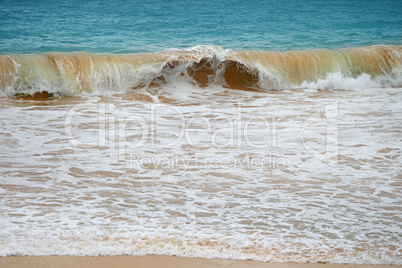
202	66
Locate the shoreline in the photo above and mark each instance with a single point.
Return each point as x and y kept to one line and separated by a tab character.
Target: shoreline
160	261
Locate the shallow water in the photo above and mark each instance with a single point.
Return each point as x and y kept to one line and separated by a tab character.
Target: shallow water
292	175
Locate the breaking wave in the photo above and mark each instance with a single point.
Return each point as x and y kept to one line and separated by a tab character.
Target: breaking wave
202	66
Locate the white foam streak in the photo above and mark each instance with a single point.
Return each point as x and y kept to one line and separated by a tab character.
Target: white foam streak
240	248
338	81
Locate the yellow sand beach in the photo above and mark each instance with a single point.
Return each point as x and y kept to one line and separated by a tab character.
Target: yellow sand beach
158	261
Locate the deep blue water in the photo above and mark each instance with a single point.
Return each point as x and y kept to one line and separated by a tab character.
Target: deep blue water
119	26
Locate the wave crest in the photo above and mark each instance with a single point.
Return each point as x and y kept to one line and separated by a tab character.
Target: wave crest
74	73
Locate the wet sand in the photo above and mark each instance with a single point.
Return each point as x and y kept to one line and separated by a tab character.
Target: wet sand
158	261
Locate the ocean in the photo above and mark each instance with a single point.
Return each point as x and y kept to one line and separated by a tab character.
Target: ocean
263	130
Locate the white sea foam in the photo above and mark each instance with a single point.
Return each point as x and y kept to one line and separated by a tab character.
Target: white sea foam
204	172
364	81
338	81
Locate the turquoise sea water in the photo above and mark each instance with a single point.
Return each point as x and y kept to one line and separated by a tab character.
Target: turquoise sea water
148	26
